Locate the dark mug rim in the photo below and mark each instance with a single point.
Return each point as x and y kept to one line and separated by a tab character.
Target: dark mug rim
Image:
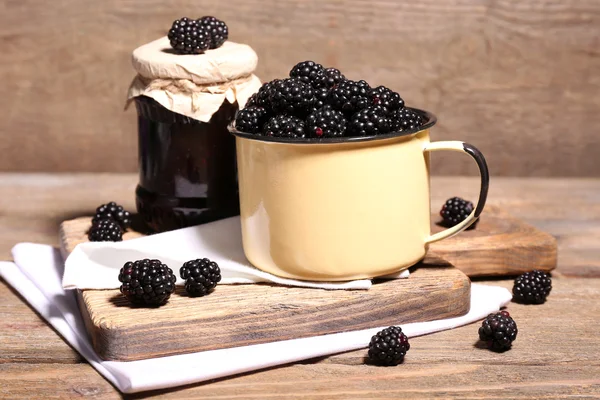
430	120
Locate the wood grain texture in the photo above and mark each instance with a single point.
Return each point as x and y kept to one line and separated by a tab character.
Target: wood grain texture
242	315
25	337
500	245
32	206
447	364
517	79
550	359
258	313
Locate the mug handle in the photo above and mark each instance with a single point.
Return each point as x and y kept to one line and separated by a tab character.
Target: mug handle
471	150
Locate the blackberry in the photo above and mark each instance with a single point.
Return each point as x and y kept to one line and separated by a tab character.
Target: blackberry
456	210
292	96
326	122
307	72
216	29
147	282
320	98
106	230
387	98
262	97
329	78
404	119
369	121
188	36
499	330
284	126
251	119
201	276
115	212
323	85
388	346
532	287
350	96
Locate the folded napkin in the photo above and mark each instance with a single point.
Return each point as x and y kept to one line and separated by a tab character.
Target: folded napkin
36	275
95	265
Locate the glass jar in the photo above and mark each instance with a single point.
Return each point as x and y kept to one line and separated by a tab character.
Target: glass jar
187	167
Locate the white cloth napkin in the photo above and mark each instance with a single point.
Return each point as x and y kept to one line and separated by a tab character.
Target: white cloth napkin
95	265
36	275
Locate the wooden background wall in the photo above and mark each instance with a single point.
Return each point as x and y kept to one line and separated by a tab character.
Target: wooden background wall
518	78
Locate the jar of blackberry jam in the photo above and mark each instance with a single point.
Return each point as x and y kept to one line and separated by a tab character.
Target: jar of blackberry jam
184	103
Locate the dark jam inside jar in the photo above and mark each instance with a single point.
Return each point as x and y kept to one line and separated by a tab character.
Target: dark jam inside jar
187	167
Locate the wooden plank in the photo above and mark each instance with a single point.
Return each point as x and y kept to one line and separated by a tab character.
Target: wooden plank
500	245
549	360
53	381
325	381
33	206
499	74
25	337
241	315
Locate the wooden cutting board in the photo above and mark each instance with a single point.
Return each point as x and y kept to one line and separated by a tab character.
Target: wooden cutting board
238	315
500	245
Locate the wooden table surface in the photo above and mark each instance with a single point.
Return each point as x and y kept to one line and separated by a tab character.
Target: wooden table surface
556	354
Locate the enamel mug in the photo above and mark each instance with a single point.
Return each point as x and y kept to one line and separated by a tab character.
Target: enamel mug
335	209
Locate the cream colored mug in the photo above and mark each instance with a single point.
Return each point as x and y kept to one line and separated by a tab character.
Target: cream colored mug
341	208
